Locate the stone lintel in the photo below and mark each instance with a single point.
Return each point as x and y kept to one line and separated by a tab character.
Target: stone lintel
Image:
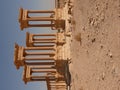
20	15
16	48
27	39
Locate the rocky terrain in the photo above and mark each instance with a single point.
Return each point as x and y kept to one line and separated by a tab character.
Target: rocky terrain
95	63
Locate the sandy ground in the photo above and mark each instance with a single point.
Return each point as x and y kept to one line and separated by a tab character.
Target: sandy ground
95	63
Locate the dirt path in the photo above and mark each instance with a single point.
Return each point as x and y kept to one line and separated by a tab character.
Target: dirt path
96	45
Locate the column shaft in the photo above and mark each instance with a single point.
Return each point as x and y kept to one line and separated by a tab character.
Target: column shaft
43	67
49	58
41	77
44	39
43	45
39	48
43	71
41	25
44	35
40	63
38	53
52	79
40	19
38	11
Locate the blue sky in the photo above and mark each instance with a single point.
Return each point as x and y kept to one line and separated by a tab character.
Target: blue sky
10	78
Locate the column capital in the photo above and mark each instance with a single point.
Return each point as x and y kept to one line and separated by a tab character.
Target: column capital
26	74
23	14
29	39
18	56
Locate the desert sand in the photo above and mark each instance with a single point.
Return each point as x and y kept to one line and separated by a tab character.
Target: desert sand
95	63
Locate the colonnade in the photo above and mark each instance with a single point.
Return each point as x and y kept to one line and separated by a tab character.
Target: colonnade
43	57
53	19
42	40
32	55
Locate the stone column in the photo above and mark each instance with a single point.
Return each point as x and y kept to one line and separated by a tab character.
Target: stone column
39	48
40	19
41	11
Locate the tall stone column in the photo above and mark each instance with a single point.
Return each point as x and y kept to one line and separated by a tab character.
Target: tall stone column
41	11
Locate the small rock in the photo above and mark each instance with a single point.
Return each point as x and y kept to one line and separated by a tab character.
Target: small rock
102	17
93	40
103	76
113	70
83	28
110	54
101	46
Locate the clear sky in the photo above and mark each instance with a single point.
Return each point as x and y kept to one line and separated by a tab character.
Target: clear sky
10	78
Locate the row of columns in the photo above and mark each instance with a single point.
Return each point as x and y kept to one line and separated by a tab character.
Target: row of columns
36	40
29	72
46	66
41	57
54	19
22	55
40	62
